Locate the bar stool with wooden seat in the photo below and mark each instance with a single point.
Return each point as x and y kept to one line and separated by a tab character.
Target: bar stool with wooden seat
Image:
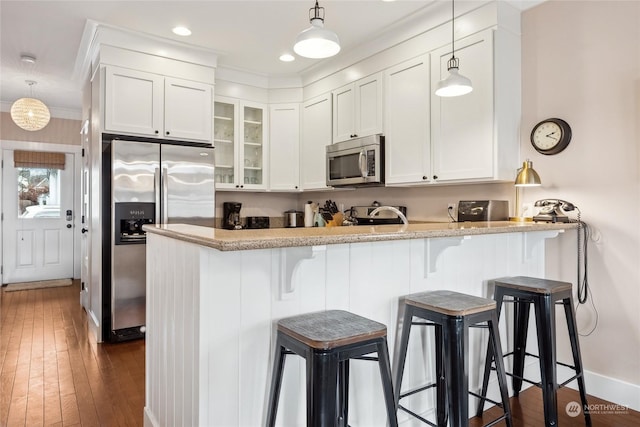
544	295
327	341
452	314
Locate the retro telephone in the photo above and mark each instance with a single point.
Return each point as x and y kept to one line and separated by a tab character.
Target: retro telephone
553	210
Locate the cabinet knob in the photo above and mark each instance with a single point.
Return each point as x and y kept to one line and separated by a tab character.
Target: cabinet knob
237	186
425	177
167	132
157	132
242	186
435	176
296	187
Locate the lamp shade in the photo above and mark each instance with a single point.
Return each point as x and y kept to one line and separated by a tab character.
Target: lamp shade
454	85
316	41
527	176
30	114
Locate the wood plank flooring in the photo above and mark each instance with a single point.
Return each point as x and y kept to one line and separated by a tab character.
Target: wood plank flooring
53	373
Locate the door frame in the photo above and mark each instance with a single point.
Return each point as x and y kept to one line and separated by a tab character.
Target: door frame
76	150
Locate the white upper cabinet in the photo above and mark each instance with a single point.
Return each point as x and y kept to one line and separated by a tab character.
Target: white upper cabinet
357	109
225	139
407	141
315	136
240	138
187	107
284	147
462	127
133	102
469	138
148	104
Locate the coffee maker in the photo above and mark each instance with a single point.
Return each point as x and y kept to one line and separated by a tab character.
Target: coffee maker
231	215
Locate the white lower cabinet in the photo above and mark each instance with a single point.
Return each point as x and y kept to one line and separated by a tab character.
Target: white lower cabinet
284	147
315	136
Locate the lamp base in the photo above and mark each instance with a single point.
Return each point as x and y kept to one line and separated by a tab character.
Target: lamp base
520	219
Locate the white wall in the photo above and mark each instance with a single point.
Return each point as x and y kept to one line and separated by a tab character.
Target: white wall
581	62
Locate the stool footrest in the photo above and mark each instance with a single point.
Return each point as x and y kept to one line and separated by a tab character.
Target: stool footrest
498	404
496	421
410	412
417	390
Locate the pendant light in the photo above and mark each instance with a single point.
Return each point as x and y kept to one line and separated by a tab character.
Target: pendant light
316	41
30	113
456	84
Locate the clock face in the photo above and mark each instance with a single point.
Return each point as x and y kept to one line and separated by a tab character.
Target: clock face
551	136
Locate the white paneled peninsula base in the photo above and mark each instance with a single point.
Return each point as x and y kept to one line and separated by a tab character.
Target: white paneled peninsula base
213	296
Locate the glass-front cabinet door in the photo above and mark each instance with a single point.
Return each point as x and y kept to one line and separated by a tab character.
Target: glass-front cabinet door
254	147
225	139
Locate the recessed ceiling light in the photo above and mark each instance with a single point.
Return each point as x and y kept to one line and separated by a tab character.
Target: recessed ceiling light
287	57
182	31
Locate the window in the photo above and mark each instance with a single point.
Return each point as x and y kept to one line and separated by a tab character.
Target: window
38	192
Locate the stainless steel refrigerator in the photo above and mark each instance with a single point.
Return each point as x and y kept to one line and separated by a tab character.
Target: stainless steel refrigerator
148	183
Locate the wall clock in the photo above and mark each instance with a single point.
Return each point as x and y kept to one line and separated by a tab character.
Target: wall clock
551	136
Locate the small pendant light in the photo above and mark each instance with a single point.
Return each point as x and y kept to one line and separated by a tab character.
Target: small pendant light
29	113
316	41
455	84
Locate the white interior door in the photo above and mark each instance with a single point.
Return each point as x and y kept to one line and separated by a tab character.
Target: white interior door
38	233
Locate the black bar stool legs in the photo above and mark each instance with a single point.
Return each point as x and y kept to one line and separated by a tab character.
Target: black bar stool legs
327	341
451	314
543	294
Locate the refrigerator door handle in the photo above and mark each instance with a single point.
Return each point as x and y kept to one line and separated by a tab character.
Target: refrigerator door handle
156	194
165	194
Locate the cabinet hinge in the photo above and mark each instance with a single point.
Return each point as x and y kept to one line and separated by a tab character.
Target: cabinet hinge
83	152
82	221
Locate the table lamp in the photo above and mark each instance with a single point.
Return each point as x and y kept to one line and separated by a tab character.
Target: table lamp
526	177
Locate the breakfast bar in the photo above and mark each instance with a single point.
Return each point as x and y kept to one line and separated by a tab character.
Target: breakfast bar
213	296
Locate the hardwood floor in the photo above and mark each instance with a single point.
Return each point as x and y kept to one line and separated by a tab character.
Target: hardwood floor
52	373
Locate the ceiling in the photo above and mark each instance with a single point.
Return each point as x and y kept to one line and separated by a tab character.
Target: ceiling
246	35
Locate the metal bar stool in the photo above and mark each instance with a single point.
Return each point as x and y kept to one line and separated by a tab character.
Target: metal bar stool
544	295
452	314
327	340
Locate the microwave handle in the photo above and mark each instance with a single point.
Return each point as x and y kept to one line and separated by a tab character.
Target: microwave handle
362	162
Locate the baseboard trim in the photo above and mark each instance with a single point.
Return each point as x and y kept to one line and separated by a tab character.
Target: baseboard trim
149	419
611	390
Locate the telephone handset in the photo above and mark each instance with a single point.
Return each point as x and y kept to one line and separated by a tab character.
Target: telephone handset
553	210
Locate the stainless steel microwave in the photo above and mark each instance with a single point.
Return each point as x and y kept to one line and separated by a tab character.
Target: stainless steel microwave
357	162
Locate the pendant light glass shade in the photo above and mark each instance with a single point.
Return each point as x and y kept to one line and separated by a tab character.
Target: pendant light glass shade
29	113
316	41
455	84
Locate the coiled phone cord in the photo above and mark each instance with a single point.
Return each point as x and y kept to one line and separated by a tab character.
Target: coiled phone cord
584	234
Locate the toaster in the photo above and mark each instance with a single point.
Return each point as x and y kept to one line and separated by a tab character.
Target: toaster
483	210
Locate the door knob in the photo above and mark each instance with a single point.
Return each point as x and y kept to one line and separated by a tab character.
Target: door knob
84	230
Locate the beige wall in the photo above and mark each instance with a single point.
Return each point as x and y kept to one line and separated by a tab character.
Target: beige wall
58	131
581	62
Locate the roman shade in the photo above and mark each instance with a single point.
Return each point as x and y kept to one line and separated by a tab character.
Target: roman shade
38	159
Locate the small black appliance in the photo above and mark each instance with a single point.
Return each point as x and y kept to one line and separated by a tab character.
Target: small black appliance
231	215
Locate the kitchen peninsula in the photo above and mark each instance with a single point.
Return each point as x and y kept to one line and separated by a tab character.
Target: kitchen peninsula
213	295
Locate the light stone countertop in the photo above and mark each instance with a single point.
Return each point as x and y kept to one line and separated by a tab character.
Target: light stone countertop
240	240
